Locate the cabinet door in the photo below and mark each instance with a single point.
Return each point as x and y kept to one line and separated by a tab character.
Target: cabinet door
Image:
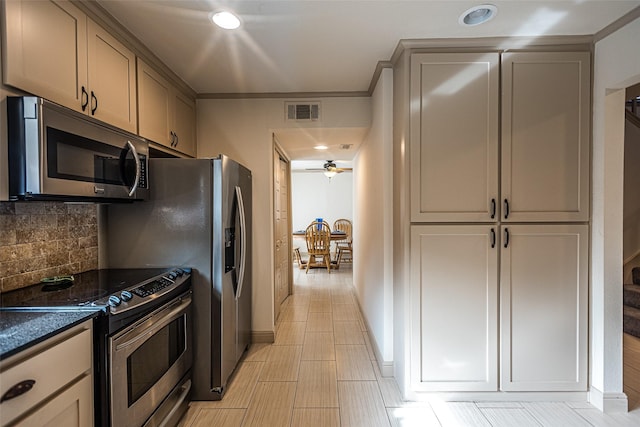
545	136
454	137
71	408
454	297
154	105
112	79
543	304
45	50
185	124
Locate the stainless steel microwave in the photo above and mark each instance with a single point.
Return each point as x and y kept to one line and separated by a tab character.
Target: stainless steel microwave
58	154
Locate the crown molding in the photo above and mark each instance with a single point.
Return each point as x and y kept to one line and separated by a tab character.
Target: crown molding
282	95
632	15
381	65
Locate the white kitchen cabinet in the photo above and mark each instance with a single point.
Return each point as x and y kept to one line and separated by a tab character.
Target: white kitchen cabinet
454	312
454	137
542	302
167	117
544	307
53	50
61	375
545	136
544	158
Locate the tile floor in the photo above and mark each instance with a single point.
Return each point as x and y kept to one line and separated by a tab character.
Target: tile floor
321	371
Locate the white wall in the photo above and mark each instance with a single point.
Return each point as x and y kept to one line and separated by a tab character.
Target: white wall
314	195
373	230
616	66
242	129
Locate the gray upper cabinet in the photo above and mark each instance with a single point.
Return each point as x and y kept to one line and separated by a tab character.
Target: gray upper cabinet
542	161
454	137
53	50
167	117
545	136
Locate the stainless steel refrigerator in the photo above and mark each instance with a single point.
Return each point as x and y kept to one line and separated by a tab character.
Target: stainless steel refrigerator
198	216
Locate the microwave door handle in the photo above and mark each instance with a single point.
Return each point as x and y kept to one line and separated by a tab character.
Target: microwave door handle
243	241
137	159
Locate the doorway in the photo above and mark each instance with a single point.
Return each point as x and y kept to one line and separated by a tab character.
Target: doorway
631	248
282	228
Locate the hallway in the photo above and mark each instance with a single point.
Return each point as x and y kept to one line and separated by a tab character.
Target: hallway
321	372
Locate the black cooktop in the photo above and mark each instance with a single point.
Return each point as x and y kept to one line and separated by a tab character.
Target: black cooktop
86	289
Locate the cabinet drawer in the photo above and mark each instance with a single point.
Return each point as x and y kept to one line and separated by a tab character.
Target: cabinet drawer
57	364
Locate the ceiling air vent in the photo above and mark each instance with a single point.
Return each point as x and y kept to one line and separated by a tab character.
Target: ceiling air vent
346	146
307	111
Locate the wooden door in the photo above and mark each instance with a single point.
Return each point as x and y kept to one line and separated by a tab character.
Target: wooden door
45	50
154	105
454	312
545	136
112	79
454	137
543	305
185	125
282	232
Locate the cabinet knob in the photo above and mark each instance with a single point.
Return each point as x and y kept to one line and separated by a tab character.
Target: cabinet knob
21	388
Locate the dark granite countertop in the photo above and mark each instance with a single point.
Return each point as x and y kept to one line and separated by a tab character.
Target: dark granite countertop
21	329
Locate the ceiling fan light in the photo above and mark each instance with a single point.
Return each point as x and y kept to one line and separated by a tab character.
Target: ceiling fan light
225	19
330	173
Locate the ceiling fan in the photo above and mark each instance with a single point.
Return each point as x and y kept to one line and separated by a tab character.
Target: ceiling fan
330	169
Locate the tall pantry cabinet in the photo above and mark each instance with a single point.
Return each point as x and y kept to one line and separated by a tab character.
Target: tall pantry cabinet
499	210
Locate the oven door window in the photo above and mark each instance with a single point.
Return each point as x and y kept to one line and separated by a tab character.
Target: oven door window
77	158
151	360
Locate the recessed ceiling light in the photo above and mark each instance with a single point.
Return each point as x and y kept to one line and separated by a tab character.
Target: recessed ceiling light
226	20
321	147
478	15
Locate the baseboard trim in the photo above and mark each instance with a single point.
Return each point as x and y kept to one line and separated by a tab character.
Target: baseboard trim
497	396
385	366
260	337
609	403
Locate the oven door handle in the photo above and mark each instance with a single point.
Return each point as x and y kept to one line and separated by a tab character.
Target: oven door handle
167	318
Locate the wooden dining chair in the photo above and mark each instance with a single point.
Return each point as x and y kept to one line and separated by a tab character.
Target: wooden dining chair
344	247
318	236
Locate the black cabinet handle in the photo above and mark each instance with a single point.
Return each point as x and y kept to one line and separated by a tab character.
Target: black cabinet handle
493	208
173	138
21	388
506	237
85	99
94	106
493	238
506	208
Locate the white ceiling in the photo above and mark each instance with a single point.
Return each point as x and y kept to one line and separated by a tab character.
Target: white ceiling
302	46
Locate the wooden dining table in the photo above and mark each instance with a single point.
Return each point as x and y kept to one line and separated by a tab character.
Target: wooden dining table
335	235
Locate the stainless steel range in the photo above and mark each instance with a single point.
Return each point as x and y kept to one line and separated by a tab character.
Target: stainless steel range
143	342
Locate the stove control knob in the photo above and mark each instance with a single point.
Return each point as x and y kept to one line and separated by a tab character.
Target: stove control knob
179	272
126	296
173	275
114	301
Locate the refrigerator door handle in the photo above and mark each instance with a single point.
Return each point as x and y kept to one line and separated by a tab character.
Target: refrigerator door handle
243	241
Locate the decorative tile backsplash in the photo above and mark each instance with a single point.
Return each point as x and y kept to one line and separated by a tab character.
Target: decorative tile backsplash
44	239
